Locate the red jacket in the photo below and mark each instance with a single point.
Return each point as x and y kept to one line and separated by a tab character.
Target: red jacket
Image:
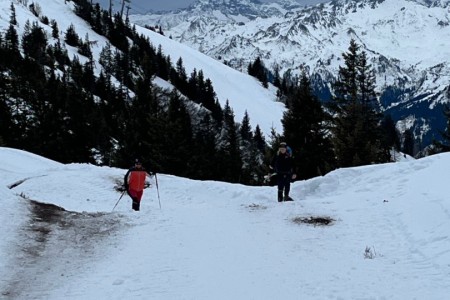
135	179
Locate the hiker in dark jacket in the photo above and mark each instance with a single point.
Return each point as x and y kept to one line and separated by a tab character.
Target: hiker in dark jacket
283	165
134	182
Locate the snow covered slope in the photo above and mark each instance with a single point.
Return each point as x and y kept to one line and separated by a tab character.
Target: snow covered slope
242	91
388	237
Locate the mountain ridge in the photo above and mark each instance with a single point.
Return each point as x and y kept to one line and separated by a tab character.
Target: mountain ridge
406	42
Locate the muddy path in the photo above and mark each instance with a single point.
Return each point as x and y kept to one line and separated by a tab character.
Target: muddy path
54	246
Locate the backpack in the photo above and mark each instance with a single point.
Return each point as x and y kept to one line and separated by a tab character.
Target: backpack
289	151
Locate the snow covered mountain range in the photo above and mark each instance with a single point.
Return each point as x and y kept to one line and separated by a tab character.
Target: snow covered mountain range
407	41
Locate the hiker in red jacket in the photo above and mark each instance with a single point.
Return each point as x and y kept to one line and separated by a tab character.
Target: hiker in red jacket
134	182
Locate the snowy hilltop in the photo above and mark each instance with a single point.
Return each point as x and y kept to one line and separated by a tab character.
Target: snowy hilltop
373	232
405	40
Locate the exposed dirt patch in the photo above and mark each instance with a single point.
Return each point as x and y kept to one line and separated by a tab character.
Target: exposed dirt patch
57	242
316	221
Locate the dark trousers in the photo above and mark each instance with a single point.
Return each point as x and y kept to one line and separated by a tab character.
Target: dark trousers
284	184
136	197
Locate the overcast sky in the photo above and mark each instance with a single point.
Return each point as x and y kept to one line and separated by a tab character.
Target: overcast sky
140	6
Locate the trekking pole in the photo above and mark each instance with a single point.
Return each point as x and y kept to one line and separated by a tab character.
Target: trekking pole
157	190
123	193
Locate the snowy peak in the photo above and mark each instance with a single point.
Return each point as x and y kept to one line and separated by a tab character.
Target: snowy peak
407	42
433	3
355	4
247	8
219	10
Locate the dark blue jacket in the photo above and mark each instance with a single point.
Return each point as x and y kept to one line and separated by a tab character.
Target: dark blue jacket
283	163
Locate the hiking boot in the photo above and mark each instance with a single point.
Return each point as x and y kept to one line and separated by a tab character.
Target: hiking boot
286	196
135	205
280	196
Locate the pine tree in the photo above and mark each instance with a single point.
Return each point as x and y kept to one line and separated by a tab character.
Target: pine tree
371	116
11	36
181	79
277	78
230	162
192	91
13	19
258	70
245	130
85	47
12	40
118	34
356	135
71	36
34	43
55	29
305	131
163	64
248	153
61	56
259	139
97	19
252	148
106	59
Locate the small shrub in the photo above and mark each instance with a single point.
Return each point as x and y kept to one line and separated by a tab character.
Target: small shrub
370	253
